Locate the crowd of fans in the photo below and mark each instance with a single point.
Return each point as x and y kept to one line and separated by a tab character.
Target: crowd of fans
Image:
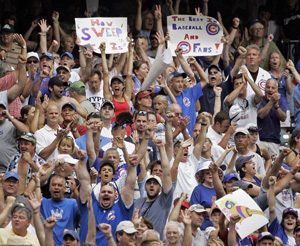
90	155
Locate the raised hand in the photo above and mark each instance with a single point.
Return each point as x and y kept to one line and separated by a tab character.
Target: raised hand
191	60
81	154
34	201
157	12
19	39
55	17
136	219
34	23
160	37
119	142
43	26
242	51
102	47
105	228
270	38
178	51
10	200
186	143
272	181
235	218
50	222
186	216
198	11
133	160
217	90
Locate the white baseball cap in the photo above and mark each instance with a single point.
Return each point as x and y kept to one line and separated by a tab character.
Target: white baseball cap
33	54
67	158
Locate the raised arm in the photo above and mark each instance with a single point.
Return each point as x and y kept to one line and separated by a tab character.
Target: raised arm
265	49
175	212
205	7
228	101
56	27
127	192
187	233
169	136
138	16
198	144
10	200
106	230
218	103
106	90
83	176
166	177
271	199
49	225
291	66
43	35
33	25
217	183
185	66
158	18
20	126
128	82
239	61
231	238
199	69
91	235
35	203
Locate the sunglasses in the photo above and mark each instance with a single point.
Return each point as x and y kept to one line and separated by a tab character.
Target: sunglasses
142	113
32	61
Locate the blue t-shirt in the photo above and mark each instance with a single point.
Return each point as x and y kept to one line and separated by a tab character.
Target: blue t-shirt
269	127
203	195
187	101
65	212
277	230
81	141
113	216
297	105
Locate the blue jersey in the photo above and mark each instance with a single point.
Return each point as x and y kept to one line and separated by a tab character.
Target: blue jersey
203	195
113	216
65	212
187	101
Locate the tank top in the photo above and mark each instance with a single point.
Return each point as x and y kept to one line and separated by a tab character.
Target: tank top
121	107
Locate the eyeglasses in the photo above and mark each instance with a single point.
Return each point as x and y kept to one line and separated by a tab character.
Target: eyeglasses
32	61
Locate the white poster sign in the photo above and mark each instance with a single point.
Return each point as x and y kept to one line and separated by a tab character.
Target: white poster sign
112	31
239	202
196	35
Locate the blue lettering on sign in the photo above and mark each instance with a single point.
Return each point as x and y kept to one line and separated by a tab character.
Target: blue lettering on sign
198	49
85	32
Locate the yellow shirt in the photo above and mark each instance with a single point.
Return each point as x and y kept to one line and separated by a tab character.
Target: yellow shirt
8	237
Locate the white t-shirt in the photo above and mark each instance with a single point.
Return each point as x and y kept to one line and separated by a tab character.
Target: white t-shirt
186	181
44	137
95	98
260	166
249	110
214	136
74	76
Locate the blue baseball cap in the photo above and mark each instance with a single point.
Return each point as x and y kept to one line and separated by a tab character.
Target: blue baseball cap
11	175
68	54
175	75
230	176
48	55
71	233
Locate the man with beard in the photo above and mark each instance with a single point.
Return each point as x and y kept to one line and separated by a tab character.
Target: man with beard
270	111
186	98
159	194
106	208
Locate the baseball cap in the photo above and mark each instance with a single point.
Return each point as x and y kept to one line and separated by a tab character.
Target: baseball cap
241	161
71	233
119	78
56	81
243	185
11	175
184	203
142	94
265	235
67	158
127	226
63	67
198	208
155	178
230	176
77	85
289	211
234	113
213	66
253	22
106	162
107	102
204	166
241	130
175	75
70	105
252	127
28	136
48	55
68	54
33	54
7	29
